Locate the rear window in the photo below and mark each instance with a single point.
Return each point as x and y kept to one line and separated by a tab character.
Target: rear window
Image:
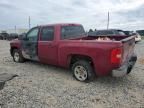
69	32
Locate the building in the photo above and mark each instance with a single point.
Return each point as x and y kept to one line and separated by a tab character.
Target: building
18	31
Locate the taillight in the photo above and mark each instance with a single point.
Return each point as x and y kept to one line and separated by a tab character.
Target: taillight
116	55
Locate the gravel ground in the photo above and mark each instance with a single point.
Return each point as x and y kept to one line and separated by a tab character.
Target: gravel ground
44	86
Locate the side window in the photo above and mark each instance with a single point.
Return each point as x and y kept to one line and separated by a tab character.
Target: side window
101	33
98	33
68	32
33	34
109	32
104	32
47	34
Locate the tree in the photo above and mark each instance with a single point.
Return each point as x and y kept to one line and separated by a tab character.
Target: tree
90	30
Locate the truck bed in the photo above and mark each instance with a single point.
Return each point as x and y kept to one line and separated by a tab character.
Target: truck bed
128	43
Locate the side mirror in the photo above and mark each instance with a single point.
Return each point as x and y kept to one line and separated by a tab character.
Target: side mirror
23	37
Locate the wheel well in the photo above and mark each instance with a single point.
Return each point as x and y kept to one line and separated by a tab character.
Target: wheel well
75	58
12	49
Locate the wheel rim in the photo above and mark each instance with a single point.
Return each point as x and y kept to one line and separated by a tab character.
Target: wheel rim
16	56
80	73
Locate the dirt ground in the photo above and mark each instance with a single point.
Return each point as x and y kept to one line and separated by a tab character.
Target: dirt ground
45	86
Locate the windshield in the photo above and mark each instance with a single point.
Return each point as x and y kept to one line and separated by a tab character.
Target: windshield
69	32
121	33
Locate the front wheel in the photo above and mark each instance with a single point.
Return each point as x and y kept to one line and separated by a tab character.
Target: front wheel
17	56
83	71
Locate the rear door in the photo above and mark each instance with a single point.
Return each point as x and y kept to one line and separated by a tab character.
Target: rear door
29	45
47	46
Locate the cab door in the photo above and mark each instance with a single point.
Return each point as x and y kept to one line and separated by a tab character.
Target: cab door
30	44
47	46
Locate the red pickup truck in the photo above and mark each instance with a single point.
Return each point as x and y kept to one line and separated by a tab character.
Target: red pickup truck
68	46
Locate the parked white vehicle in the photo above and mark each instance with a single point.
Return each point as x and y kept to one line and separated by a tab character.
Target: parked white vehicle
136	34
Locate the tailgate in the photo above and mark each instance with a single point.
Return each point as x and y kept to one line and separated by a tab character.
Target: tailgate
128	48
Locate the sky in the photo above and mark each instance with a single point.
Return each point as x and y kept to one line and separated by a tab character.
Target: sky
124	14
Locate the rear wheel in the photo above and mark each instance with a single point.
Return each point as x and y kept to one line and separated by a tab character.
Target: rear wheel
17	56
83	71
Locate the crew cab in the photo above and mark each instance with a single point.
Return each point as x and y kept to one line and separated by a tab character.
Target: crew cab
68	46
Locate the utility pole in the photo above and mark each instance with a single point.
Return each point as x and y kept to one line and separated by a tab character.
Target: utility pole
29	22
108	21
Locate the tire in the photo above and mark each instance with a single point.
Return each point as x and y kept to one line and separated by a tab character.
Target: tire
83	71
17	56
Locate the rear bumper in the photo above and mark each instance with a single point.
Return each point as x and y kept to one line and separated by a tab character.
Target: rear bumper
126	68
